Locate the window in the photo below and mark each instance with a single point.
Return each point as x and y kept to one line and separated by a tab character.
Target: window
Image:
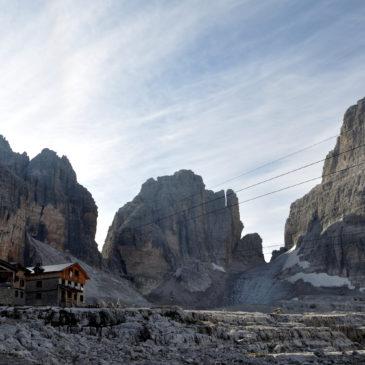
75	296
16	278
38	296
69	294
22	282
39	284
71	273
81	298
21	294
63	295
63	282
77	273
16	294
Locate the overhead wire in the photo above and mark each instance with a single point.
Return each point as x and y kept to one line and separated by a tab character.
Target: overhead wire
353	210
251	199
343	132
270	179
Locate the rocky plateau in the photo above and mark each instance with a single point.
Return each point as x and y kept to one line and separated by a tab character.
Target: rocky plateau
173	336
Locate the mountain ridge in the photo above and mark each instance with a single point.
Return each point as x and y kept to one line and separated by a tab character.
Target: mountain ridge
42	196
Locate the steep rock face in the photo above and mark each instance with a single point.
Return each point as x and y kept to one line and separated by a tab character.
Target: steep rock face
42	197
248	252
328	224
148	240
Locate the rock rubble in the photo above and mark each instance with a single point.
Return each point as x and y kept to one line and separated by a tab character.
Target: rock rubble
171	335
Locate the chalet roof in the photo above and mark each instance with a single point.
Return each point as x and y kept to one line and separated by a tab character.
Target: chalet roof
52	268
56	268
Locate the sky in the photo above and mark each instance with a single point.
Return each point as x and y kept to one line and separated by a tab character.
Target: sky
130	90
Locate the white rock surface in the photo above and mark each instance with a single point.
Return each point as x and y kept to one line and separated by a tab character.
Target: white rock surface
321	280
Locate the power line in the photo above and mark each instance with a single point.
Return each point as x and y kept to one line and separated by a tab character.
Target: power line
288	187
299	168
304	240
362	232
277	160
276	177
254	198
260	182
337	217
274	161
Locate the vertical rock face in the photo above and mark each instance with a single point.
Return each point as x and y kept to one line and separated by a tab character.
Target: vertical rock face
173	222
248	252
328	224
43	198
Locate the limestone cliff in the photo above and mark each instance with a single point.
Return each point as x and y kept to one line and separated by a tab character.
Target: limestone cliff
42	197
150	242
328	224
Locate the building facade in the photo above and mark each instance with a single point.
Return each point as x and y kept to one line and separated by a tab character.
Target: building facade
54	285
12	283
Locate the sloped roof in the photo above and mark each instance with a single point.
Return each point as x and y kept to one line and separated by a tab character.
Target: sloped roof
57	268
52	268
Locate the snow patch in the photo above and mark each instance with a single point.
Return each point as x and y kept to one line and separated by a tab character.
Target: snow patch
293	258
293	248
217	267
362	290
321	280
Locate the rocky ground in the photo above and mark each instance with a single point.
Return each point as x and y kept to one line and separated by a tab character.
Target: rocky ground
173	336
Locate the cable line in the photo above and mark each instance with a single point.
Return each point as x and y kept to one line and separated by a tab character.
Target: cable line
260	183
274	161
277	176
254	198
362	232
353	210
287	187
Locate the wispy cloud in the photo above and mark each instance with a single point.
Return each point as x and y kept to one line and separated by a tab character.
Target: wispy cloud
130	90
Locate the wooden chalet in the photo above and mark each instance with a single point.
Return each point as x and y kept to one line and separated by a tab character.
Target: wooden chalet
12	283
56	285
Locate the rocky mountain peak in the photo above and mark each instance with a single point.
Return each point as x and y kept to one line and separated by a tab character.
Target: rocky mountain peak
4	145
352	135
173	222
42	198
177	186
326	225
354	116
48	163
13	161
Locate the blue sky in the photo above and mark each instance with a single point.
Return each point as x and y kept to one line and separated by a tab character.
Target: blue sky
135	89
